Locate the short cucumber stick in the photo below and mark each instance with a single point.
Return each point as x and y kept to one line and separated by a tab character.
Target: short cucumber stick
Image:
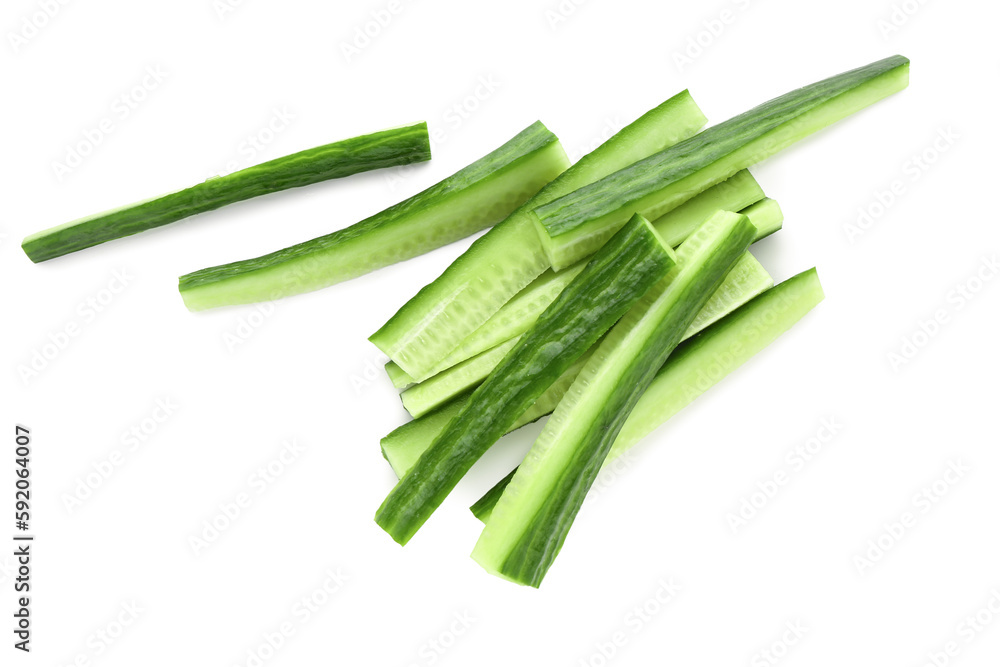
390	148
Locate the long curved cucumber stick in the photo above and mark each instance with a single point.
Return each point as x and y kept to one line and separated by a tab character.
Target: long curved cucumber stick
515	316
403	447
573	226
739	287
632	262
508	257
535	512
465	203
390	148
702	362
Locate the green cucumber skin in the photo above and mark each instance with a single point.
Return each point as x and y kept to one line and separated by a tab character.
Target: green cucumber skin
702	362
465	203
509	256
572	226
516	316
389	148
530	522
420	398
745	282
632	261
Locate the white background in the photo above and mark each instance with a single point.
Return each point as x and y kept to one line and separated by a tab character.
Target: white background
302	374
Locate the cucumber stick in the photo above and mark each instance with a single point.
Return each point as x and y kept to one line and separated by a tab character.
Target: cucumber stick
633	261
572	226
403	447
515	316
389	148
467	202
700	363
739	287
508	257
534	514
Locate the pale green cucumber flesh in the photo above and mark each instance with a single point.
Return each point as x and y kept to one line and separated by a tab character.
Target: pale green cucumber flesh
389	148
747	280
703	361
533	516
633	261
403	447
465	203
514	317
472	288
764	215
508	257
573	226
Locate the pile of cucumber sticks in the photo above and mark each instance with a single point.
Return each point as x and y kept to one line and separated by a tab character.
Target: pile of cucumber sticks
608	294
611	299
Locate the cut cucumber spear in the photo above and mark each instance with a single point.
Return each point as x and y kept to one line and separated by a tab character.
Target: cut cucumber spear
573	226
389	148
626	267
404	446
515	316
535	512
508	257
467	202
700	363
739	287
